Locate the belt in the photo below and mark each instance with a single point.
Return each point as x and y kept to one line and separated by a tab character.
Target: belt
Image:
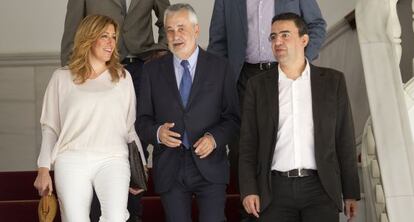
129	60
262	65
296	173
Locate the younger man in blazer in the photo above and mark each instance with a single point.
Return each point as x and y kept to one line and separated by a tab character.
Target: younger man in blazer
297	151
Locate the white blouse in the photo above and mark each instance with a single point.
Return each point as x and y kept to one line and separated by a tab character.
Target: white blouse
97	116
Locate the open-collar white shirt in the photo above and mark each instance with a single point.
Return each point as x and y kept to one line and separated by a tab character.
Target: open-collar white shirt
295	146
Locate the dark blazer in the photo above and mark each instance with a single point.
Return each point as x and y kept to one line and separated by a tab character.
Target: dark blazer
135	26
212	108
333	133
228	28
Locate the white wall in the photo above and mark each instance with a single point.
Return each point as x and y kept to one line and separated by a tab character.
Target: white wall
334	10
29	26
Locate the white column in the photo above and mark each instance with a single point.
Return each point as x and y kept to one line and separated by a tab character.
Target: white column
379	36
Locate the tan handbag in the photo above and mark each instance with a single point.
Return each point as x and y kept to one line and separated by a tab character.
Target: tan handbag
47	208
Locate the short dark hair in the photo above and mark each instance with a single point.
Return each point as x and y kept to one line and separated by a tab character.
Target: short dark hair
295	18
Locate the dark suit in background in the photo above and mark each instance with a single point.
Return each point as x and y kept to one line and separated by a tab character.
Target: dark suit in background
136	34
228	29
136	45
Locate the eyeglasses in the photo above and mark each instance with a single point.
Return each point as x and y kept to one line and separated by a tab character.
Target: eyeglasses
283	35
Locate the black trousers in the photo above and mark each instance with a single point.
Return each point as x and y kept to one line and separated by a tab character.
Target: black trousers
135	207
300	199
189	183
246	73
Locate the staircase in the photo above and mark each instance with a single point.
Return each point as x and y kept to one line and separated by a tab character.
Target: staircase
19	200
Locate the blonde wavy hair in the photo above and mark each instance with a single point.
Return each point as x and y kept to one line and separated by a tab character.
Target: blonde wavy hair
88	32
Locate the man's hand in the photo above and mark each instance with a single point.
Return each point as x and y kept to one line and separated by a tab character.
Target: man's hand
168	137
251	204
43	182
204	146
350	209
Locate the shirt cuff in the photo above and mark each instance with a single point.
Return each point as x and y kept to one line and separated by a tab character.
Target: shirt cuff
158	135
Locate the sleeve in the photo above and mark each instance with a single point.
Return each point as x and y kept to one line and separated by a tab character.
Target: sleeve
345	144
131	117
147	126
248	145
50	121
228	127
49	139
316	27
159	8
218	34
75	12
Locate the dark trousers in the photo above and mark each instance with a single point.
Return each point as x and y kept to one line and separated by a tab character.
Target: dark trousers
135	207
246	73
300	199
210	197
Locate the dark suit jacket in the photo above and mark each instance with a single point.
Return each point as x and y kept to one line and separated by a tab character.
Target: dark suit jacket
228	28
333	133
212	107
135	27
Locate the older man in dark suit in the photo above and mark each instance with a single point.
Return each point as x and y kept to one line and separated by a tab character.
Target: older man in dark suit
297	151
188	108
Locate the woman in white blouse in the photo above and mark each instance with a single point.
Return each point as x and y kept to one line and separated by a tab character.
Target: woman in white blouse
87	120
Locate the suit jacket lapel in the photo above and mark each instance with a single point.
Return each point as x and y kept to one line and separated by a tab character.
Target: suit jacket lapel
243	15
272	94
168	69
318	91
133	4
199	75
272	91
118	2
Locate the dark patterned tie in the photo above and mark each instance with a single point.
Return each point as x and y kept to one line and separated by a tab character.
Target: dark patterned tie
123	50
124	7
185	88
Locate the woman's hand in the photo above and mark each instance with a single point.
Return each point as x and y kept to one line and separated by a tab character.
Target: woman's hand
135	191
43	182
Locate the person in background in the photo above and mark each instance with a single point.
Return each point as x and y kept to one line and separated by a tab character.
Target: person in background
188	109
297	145
87	119
136	46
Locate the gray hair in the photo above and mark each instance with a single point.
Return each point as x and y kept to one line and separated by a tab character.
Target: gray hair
172	9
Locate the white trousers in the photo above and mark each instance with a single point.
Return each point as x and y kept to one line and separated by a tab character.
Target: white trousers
78	172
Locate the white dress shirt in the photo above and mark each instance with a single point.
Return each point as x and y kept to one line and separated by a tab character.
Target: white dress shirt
295	146
128	3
